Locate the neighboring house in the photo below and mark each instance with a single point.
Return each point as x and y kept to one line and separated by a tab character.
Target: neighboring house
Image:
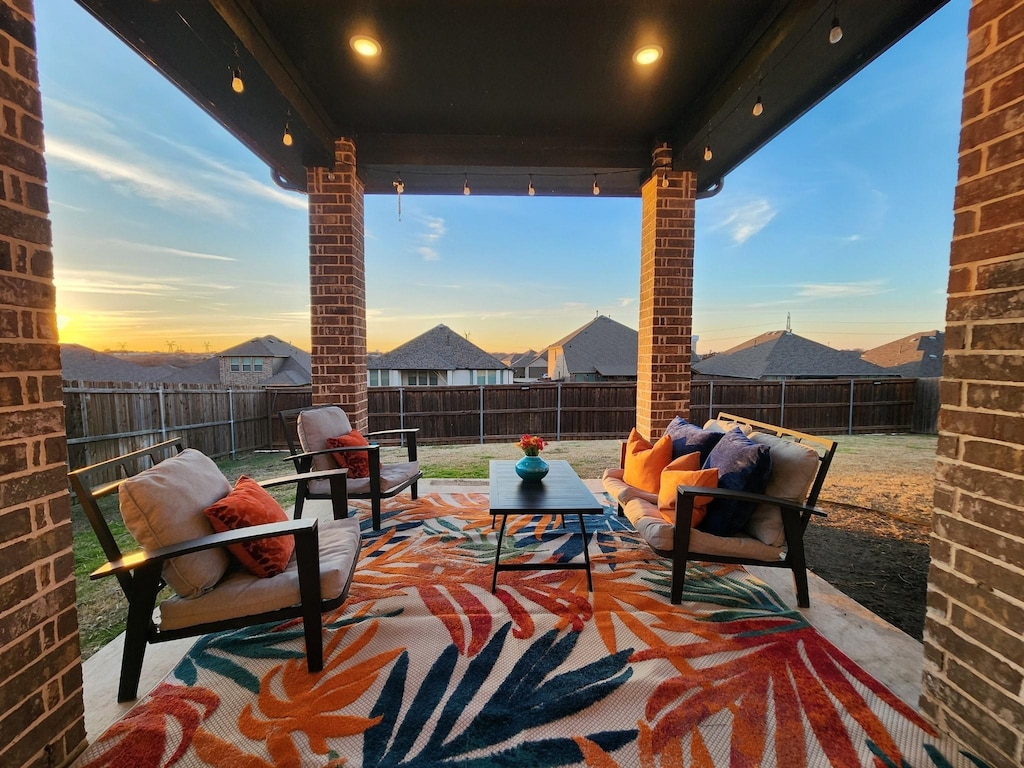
440	357
784	355
602	350
80	363
918	356
528	366
265	361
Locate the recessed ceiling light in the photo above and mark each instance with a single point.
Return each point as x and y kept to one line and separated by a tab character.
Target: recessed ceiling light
648	54
365	46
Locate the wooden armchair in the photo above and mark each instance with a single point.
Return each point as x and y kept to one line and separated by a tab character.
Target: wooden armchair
163	493
774	535
307	431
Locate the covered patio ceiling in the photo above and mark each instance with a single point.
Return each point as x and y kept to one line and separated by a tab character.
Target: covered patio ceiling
496	91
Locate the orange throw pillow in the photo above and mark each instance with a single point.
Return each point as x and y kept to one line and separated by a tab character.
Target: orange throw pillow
357	462
671	478
249	505
645	462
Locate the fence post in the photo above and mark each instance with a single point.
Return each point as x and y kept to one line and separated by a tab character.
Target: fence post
850	429
163	418
782	405
711	399
481	415
231	420
401	413
558	414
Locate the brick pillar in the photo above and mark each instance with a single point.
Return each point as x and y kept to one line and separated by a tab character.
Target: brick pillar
666	296
41	715
973	687
337	284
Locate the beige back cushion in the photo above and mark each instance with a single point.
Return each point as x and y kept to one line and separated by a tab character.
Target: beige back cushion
164	505
315	426
794	467
724	425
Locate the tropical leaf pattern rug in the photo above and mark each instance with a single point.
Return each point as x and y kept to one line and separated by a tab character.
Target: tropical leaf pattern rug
424	666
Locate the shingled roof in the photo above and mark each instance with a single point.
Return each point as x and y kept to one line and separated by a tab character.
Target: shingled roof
439	349
80	363
918	355
783	354
602	346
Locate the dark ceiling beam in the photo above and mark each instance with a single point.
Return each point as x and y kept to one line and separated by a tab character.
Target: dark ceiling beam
495	151
784	19
260	42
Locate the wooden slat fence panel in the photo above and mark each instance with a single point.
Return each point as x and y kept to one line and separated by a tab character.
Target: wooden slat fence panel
925	417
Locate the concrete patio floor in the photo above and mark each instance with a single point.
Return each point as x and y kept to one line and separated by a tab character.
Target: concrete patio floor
892	657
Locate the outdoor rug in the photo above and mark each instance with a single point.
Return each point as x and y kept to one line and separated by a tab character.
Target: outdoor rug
425	667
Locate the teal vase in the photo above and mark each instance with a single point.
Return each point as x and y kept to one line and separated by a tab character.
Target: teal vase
531	468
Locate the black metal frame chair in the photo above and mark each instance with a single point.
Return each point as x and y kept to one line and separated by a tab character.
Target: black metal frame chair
139	572
303	461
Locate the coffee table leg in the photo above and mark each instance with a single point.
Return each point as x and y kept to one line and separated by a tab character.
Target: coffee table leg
497	554
586	555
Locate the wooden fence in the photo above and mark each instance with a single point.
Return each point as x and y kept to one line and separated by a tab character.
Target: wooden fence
105	420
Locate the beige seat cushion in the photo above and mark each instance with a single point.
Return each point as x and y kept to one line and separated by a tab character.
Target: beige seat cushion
391	476
619	490
315	426
794	467
243	594
658	532
724	425
164	505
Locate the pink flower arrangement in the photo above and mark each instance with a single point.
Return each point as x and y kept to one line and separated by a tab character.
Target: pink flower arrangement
532	445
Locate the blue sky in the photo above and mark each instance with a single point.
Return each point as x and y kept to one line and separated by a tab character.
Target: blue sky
169	233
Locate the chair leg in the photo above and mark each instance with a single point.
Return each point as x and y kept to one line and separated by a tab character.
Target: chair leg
307	555
797	558
415	490
142	600
375	512
678	576
803	598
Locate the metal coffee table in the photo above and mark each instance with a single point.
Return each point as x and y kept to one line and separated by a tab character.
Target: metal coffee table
560	493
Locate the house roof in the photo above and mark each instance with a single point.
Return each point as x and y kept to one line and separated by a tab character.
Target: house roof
785	354
502	89
918	355
439	349
266	346
294	371
602	346
80	363
206	372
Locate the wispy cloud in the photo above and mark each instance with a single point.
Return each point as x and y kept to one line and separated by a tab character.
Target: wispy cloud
173	251
625	301
122	284
841	290
747	220
428	253
435	228
148	181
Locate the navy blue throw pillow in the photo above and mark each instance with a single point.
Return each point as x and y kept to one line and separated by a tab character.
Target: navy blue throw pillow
688	438
742	465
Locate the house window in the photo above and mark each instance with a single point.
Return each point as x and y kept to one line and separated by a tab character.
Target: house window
385	378
236	364
257	364
246	364
421	378
374	378
492	377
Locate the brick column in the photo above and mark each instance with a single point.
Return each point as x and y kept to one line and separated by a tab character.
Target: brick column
337	284
973	687
666	296
41	714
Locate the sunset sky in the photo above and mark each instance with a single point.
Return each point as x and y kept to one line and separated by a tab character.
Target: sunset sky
168	233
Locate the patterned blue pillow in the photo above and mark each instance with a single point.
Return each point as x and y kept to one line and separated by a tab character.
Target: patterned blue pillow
688	438
742	465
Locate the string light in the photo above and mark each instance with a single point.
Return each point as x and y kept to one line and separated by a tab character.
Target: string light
399	186
286	137
465	186
597	189
835	34
237	84
707	152
758	109
664	179
530	190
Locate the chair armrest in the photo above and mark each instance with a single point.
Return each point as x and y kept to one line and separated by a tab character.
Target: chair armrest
307	476
408	433
372	447
140	557
691	491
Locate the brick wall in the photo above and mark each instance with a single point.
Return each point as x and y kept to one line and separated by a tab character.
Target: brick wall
337	276
974	649
41	716
666	296
248	379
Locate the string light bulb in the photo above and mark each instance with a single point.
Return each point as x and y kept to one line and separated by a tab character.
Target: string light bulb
707	152
835	33
399	185
237	84
465	187
286	137
597	189
664	179
529	189
758	109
